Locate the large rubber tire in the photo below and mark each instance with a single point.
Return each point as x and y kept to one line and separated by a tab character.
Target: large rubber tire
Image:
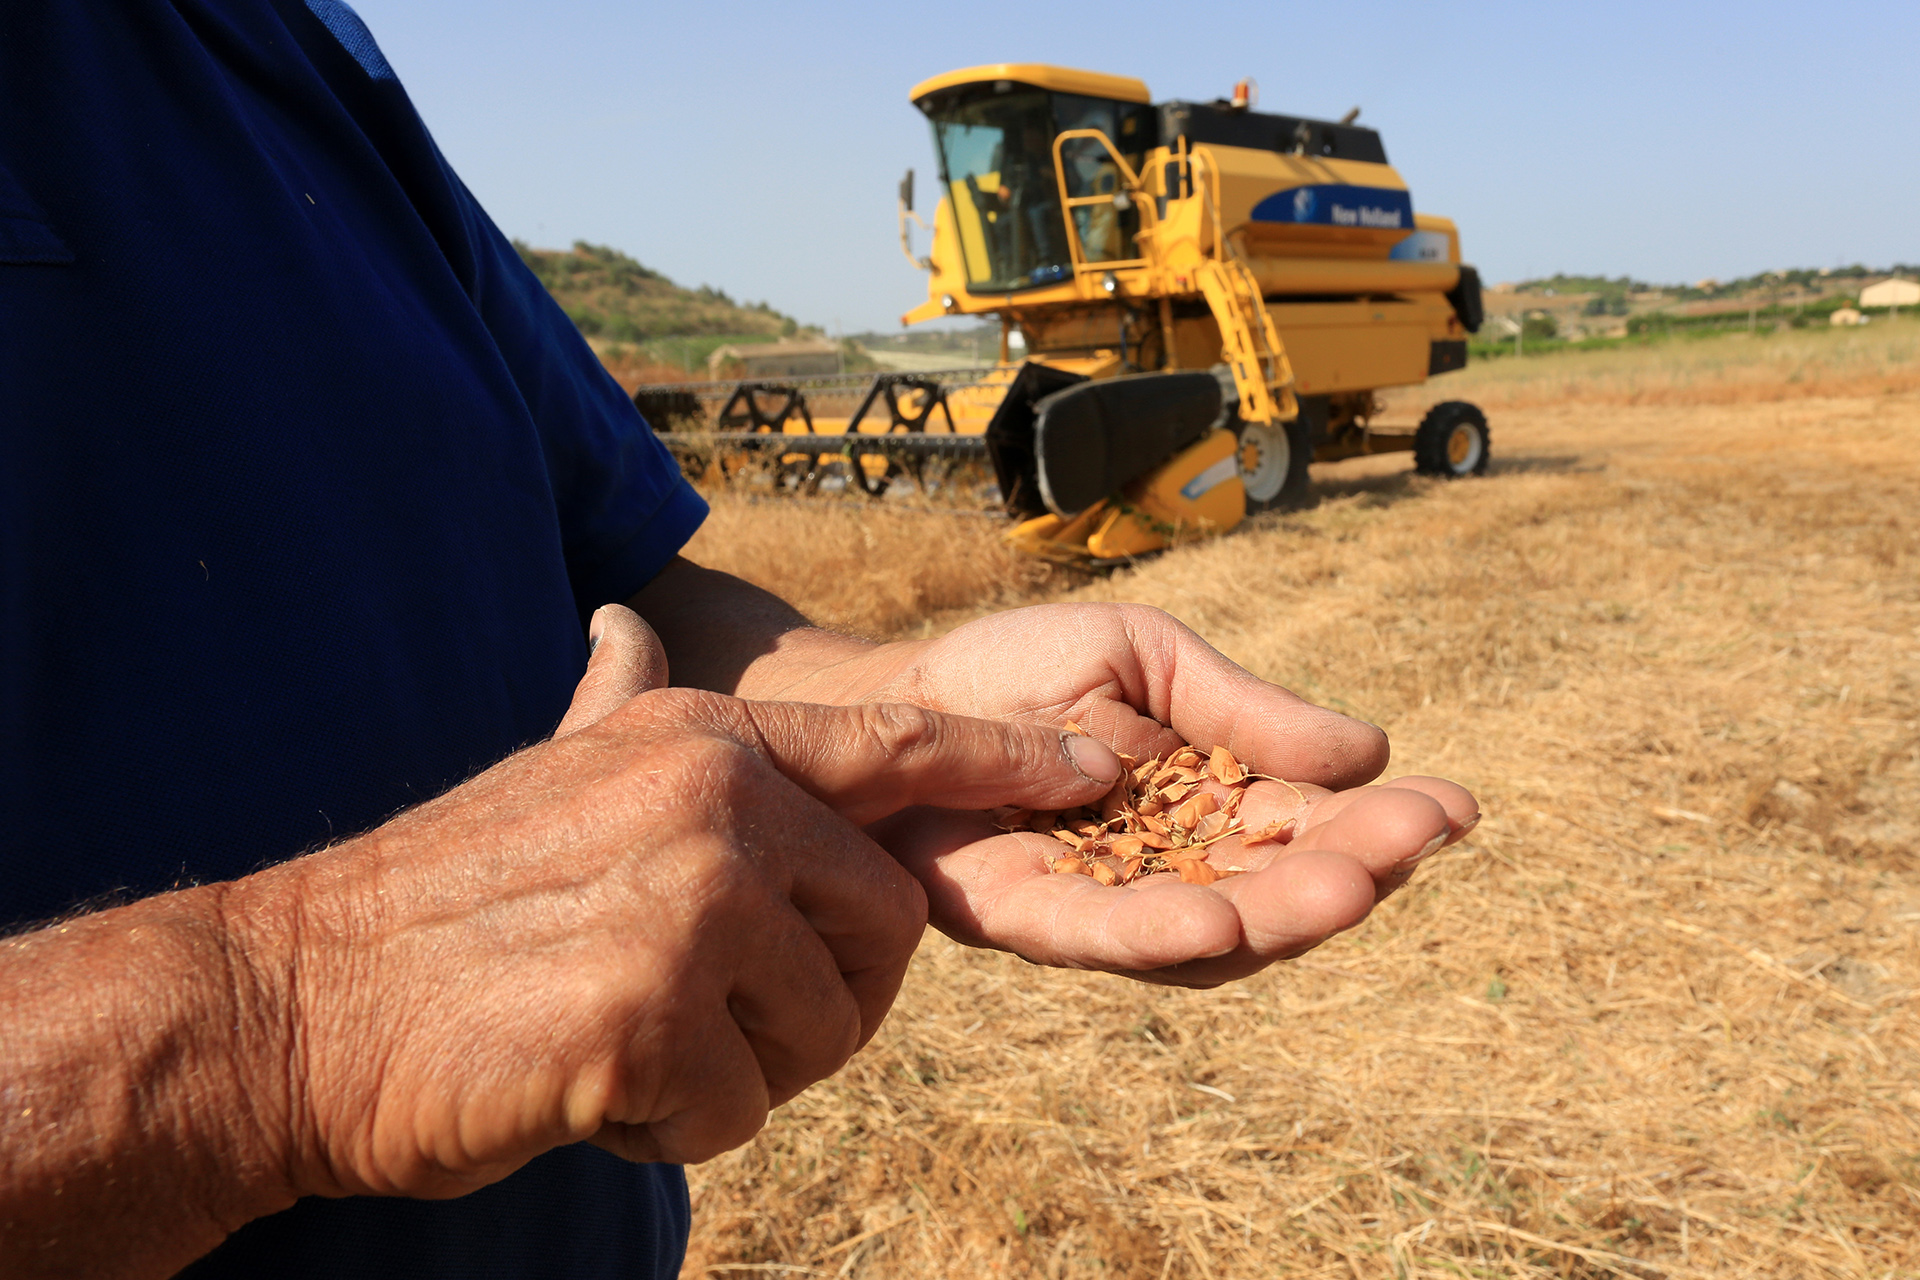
1452	441
1273	465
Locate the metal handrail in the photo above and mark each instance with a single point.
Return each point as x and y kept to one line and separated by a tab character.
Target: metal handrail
1068	203
1210	196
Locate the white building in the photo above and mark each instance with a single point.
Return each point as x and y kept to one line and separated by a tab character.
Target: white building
1891	293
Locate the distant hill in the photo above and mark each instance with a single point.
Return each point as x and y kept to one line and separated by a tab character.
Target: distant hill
1808	281
613	298
1563	310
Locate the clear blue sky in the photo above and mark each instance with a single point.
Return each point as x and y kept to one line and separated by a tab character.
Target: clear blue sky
756	146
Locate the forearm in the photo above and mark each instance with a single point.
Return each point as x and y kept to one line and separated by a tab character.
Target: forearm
134	1106
729	636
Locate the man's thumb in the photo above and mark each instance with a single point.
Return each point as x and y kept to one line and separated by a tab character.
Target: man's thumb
626	660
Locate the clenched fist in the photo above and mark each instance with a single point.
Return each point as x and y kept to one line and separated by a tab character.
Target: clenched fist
645	933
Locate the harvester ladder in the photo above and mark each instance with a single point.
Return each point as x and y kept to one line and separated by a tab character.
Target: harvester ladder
1248	341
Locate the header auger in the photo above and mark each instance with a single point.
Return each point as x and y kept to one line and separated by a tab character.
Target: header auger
1209	298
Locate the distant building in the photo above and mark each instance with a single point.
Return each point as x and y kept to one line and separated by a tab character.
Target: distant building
1891	293
773	360
1846	316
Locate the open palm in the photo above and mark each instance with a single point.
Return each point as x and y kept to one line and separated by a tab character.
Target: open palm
1143	683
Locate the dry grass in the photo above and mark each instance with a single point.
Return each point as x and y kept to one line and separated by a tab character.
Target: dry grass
631	367
878	569
1657	1018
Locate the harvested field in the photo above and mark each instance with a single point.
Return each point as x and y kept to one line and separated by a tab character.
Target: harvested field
1657	1017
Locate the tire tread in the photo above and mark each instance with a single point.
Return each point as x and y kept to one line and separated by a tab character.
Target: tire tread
1430	440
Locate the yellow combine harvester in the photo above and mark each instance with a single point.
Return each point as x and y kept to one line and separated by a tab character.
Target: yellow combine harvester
1208	298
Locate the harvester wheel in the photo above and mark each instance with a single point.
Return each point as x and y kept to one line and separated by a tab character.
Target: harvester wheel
1452	441
1273	465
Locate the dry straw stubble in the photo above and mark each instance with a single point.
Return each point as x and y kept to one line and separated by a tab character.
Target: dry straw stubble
876	569
1655	1017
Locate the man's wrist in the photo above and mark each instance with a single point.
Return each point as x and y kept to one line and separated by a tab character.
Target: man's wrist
223	1102
814	665
259	929
725	634
135	1045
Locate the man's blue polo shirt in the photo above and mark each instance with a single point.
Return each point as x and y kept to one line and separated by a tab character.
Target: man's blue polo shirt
306	488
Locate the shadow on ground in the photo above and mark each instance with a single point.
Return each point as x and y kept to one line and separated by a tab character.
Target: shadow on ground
1545	462
1373	491
1396	486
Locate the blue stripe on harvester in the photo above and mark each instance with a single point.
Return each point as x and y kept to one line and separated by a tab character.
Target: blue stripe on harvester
1335	204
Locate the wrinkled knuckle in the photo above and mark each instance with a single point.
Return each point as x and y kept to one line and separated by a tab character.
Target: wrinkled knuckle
713	759
717	881
659	704
901	728
691	775
682	706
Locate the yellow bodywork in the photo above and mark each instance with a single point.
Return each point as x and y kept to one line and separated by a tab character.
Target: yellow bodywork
1339	308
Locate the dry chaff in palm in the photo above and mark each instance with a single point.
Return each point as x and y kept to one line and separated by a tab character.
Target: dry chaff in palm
1160	817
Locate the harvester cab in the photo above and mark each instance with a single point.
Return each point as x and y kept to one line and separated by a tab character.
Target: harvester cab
1206	299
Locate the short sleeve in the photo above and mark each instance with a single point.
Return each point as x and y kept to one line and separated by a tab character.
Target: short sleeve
625	509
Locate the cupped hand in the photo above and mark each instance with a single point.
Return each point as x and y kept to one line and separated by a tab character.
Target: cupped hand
645	932
1140	681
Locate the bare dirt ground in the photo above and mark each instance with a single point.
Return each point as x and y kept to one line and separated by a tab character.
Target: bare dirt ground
1657	1017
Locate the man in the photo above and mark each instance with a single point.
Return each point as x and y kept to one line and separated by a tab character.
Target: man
308	491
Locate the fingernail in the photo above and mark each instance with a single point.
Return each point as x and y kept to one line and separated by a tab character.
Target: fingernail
1091	759
595	626
1432	847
